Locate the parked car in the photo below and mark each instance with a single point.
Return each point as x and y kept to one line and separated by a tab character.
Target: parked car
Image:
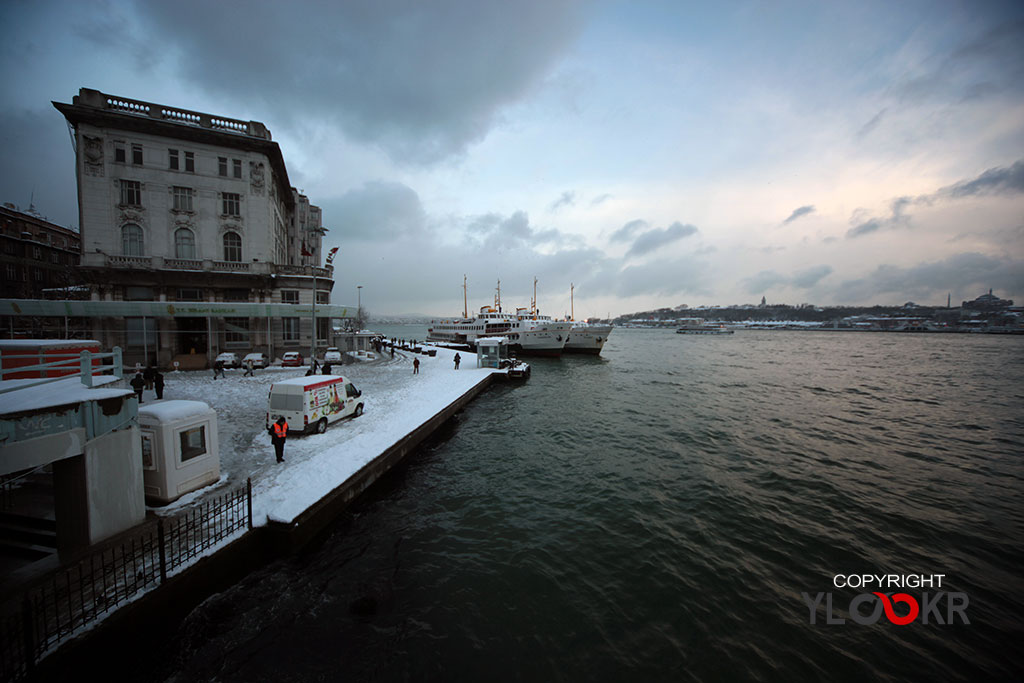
332	355
291	359
229	359
259	360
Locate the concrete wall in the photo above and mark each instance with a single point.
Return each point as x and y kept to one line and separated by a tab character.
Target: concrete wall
113	464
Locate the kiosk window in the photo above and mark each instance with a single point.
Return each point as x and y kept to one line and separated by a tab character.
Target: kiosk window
147	452
193	443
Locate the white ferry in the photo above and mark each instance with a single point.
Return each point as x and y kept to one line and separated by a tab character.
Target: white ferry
527	331
699	326
584	337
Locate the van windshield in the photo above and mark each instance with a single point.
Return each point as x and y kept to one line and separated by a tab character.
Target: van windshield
290	402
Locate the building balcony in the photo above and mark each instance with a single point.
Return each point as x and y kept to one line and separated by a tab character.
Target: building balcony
205	265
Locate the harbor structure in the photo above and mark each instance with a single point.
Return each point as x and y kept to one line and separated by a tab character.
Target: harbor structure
192	216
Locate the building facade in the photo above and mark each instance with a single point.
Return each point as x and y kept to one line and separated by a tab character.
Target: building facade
184	206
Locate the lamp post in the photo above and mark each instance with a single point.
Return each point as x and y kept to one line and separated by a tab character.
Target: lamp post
359	306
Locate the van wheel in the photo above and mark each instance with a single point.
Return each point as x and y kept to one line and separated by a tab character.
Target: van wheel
359	410
321	426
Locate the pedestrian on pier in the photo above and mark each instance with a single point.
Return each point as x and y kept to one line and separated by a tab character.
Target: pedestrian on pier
458	359
218	369
278	435
392	350
147	375
138	383
158	384
415	366
248	369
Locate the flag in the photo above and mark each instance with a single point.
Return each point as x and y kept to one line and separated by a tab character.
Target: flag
306	252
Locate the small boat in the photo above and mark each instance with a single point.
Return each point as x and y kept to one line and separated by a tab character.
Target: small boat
699	326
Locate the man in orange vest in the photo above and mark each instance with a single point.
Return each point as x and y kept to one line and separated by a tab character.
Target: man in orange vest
278	433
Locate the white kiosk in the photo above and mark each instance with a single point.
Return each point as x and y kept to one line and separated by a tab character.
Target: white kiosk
179	448
491	351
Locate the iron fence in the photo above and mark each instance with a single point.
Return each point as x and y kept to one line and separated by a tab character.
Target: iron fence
76	596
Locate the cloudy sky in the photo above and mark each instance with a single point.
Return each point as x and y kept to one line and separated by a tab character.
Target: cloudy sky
651	153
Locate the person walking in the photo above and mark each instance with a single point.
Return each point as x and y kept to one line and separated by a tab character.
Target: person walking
458	359
158	384
415	366
148	374
326	370
278	434
248	369
392	350
138	384
218	369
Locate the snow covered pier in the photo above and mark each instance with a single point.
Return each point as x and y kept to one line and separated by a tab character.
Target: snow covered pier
307	492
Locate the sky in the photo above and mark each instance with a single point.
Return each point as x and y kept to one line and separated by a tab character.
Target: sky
639	154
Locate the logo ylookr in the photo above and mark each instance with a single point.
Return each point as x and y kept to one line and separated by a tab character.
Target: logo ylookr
929	609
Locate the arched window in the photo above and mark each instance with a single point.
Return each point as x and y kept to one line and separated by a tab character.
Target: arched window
232	247
131	240
184	243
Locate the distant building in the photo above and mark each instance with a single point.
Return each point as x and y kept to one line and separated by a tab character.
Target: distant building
987	302
35	255
194	212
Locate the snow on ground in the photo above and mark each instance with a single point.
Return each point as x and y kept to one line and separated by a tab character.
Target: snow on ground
396	402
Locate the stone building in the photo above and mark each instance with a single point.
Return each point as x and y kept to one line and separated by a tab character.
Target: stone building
194	212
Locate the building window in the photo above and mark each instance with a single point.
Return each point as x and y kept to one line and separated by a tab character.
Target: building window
190	294
119	153
323	330
137	155
184	243
231	204
193	443
236	331
182	198
222	166
37	253
12	272
131	193
323	297
131	240
37	274
190	162
148	463
236	294
237	164
289	296
290	329
55	257
172	155
232	247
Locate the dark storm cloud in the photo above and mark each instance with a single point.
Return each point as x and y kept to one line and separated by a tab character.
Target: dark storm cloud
999	181
496	232
627	231
567	199
377	212
797	213
962	273
994	181
421	80
657	238
803	279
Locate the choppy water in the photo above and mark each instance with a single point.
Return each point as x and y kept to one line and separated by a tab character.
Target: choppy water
655	514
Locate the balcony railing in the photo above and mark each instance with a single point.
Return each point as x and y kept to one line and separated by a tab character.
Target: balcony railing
157	263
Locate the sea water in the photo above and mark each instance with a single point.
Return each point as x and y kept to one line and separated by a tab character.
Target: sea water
659	513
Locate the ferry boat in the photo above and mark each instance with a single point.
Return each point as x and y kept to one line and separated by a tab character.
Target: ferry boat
584	337
527	331
699	326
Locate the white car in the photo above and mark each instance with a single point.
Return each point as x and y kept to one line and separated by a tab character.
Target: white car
332	355
259	360
229	359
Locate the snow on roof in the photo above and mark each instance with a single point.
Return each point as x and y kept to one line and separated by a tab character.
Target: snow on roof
47	343
62	392
173	410
491	340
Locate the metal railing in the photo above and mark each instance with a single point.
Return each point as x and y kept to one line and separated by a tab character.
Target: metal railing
67	364
52	610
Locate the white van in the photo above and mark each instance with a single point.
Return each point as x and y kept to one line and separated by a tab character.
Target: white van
311	403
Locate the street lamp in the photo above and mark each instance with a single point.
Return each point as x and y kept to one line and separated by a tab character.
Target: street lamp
359	305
